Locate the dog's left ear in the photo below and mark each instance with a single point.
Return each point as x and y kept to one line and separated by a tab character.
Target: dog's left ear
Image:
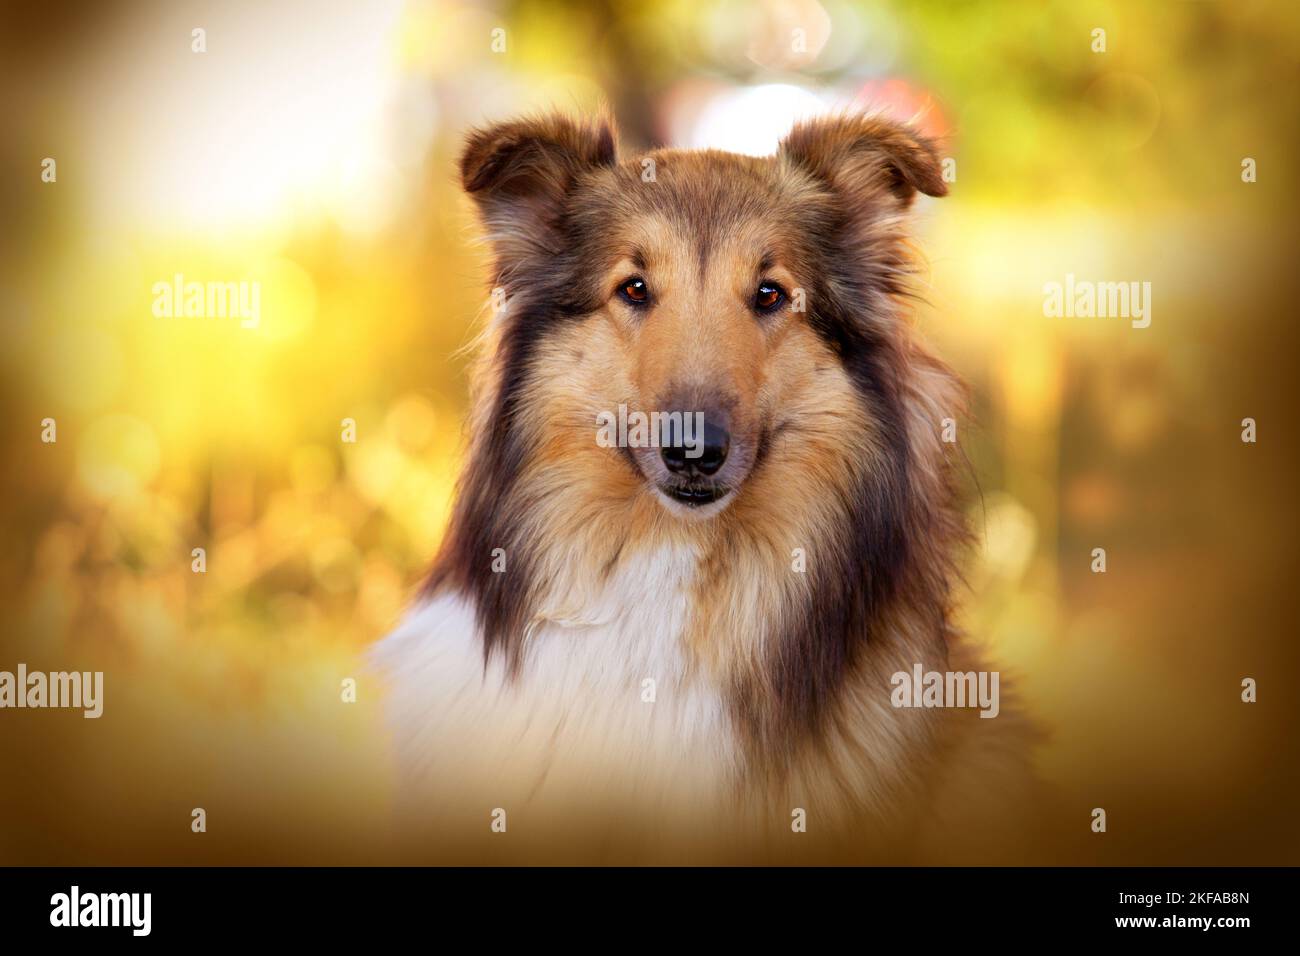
869	160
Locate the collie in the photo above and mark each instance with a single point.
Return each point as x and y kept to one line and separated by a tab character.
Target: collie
694	638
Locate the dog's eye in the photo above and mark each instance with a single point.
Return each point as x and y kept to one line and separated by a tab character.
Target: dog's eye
769	297
634	291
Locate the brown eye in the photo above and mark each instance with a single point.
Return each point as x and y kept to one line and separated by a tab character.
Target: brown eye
634	291
769	297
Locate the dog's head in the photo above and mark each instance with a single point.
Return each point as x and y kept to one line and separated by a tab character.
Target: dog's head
763	296
745	300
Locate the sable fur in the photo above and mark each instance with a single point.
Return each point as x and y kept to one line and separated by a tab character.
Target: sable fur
840	412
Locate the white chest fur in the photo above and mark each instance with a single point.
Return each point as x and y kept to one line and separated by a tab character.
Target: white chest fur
606	705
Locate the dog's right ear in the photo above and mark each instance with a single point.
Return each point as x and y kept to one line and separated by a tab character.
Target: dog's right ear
520	172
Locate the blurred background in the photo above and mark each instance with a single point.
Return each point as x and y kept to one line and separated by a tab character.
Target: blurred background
310	149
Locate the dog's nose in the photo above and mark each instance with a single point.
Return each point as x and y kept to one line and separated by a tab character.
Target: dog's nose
713	445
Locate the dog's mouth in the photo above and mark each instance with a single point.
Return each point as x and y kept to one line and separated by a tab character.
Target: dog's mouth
695	495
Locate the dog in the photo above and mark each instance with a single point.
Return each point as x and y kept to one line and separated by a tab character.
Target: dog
681	646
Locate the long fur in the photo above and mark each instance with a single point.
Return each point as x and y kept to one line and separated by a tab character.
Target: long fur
525	687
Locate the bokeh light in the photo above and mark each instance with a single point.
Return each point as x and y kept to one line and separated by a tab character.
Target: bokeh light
311	151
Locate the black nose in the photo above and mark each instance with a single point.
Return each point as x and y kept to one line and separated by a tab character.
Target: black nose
712	445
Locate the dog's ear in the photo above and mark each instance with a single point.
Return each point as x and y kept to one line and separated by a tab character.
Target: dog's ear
869	160
520	172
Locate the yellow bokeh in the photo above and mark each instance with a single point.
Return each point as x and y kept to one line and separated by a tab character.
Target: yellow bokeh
308	161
